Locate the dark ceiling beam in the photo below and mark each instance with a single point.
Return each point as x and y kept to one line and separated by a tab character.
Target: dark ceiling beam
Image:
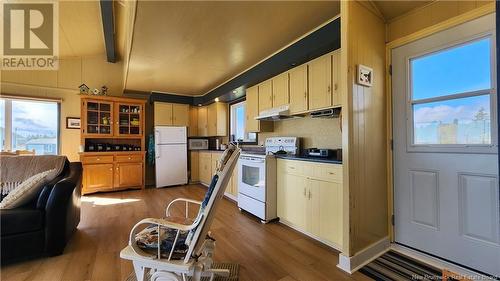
108	26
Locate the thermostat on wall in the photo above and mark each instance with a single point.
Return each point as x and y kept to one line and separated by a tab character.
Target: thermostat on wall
365	75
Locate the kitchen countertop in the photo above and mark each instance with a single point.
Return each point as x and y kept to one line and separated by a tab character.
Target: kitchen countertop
310	159
208	150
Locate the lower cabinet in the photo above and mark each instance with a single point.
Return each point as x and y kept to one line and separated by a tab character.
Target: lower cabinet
128	174
112	172
205	167
97	177
310	199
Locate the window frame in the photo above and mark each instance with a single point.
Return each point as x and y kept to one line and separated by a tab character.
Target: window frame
7	145
491	92
231	123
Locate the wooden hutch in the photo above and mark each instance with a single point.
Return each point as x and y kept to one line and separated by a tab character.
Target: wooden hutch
112	139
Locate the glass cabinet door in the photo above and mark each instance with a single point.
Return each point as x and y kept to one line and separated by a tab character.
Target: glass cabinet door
98	118
129	119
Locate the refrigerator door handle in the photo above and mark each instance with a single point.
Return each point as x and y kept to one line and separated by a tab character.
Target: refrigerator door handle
157	147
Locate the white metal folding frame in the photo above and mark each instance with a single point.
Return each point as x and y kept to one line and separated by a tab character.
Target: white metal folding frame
198	260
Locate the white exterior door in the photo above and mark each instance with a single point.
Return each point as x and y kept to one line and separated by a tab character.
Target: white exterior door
446	188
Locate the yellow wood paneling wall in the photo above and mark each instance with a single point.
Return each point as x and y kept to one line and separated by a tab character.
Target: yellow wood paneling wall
321	133
364	139
429	15
63	83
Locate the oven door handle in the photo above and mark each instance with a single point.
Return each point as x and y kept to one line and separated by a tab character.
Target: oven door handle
246	160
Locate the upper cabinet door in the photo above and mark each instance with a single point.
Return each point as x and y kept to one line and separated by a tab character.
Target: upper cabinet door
336	92
320	82
180	114
98	118
280	89
163	114
252	109
202	121
129	119
221	119
193	122
212	119
298	89
265	95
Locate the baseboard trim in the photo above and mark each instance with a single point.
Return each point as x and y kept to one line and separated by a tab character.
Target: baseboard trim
363	257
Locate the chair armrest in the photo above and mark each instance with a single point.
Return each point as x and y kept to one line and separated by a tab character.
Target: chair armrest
158	223
186	200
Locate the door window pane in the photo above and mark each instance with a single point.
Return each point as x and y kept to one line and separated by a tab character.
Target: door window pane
460	69
35	126
456	121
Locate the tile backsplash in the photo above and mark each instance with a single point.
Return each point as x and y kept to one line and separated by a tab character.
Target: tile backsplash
313	132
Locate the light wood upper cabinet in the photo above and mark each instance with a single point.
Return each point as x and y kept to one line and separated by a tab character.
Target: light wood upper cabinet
171	114
180	114
163	114
193	121
217	119
128	174
320	82
98	118
298	89
265	95
280	90
336	91
129	119
202	121
252	109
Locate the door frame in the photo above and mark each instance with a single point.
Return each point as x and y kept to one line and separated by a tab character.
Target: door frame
449	23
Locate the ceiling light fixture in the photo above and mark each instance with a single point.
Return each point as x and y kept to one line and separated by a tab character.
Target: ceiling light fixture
216	99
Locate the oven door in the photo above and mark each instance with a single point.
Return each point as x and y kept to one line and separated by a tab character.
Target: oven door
252	177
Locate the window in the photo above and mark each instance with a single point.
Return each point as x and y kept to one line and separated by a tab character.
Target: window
29	125
451	95
238	124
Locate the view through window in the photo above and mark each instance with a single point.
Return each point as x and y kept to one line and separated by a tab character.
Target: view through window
238	124
451	95
29	125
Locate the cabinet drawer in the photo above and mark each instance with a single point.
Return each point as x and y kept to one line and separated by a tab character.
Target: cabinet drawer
97	159
128	158
331	173
293	167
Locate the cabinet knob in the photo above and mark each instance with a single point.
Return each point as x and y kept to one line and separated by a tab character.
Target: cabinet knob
111	169
310	194
129	158
336	86
98	158
329	88
331	173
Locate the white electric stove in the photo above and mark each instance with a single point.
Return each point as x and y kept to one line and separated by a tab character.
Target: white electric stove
257	177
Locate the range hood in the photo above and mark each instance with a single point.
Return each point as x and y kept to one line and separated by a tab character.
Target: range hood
275	114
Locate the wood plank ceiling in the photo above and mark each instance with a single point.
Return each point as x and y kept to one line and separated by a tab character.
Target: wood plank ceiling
191	47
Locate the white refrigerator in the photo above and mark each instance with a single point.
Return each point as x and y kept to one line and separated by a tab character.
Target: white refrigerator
171	155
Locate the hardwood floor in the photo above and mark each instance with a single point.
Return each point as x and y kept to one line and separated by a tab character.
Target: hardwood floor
264	252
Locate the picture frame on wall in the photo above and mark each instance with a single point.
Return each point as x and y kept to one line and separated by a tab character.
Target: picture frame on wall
73	123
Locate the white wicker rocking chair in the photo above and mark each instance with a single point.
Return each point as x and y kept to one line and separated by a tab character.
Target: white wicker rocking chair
198	259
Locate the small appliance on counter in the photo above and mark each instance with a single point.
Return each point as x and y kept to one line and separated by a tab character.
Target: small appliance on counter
324	153
197	144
